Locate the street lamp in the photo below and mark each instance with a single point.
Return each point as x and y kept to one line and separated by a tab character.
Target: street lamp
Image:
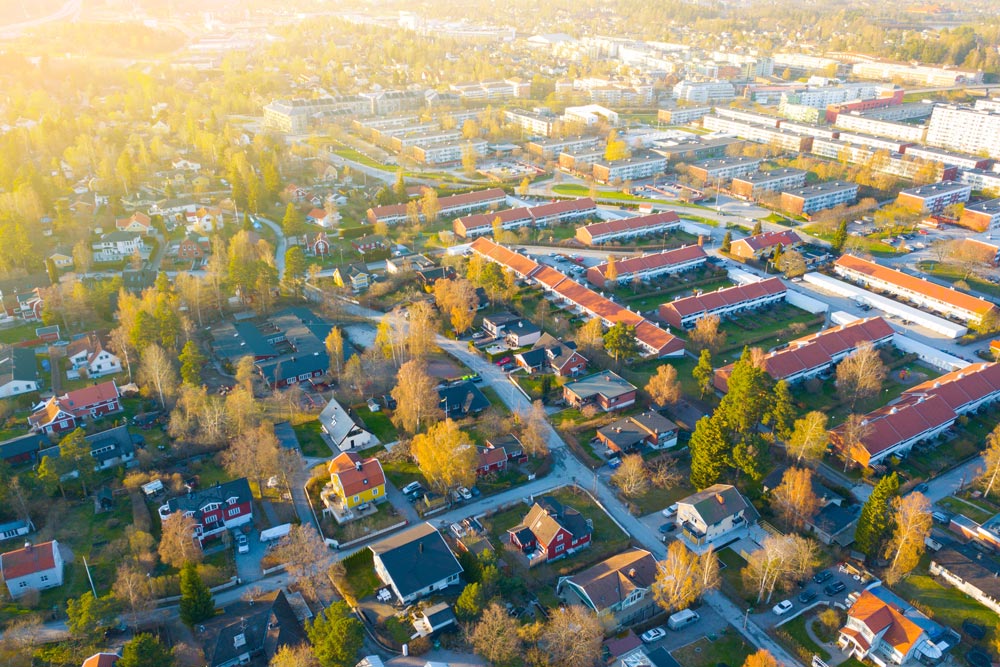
746	617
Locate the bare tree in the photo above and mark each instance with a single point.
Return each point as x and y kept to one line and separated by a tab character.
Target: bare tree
335	350
132	590
253	453
663	387
120	344
684	576
416	397
793	499
852	435
631	477
809	438
860	375
300	655
781	560
912	523
422	330
495	636
535	435
572	637
307	558
177	542
157	374
706	335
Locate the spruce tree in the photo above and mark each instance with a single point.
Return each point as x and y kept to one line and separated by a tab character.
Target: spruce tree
708	453
727	242
703	373
196	600
839	239
873	524
781	418
756	229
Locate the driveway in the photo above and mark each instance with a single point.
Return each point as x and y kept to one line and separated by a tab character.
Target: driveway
710	622
954	480
768	619
248	564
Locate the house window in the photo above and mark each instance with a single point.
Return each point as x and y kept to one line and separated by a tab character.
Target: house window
357	499
44	577
211	518
235	511
375	491
559	547
23	584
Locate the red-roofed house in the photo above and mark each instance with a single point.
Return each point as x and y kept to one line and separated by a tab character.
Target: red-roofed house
650	266
319	216
89	353
61	413
627	228
562	211
875	626
481	224
550	530
763	245
35	567
490	460
101	660
318	245
686	311
356	481
137	222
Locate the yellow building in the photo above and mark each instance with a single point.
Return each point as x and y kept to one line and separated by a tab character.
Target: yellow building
355	480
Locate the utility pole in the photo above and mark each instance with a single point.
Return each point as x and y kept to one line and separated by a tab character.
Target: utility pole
90	578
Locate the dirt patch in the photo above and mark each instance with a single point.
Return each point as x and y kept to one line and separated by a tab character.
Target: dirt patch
443	368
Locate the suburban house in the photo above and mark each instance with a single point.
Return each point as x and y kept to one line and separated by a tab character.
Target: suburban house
204	220
356	481
496	325
521	334
321	217
618	589
18	371
551	354
260	631
490	460
975	574
627	228
102	660
215	509
608	390
462	399
433	619
88	354
116	446
24	448
117	246
684	312
284	372
318	245
355	276
138	222
61	413
714	515
343	430
877	628
372	244
193	246
763	245
35	567
61	260
415	562
648	266
630	433
511	445
550	530
12	529
835	524
811	355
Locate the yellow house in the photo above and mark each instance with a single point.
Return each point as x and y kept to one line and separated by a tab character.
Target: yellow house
355	480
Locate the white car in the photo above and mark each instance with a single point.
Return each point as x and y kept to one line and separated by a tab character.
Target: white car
670	511
465	493
653	634
242	544
782	607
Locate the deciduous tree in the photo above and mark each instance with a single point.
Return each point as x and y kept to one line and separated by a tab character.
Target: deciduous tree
445	456
416	397
793	499
989	479
781	560
684	576
335	350
87	614
422	330
300	655
911	525
572	637
706	335
590	337
860	375
157	375
762	658
131	590
307	558
177	543
631	477
535	435
495	636
809	438
253	453
663	387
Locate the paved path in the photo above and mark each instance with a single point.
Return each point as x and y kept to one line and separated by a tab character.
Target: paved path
279	250
836	655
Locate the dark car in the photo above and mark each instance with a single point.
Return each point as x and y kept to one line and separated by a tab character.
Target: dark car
977	657
835	587
667	527
921	488
388	402
822	575
807	596
973	629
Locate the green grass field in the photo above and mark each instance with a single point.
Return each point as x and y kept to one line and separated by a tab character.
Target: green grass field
729	649
311	439
945	604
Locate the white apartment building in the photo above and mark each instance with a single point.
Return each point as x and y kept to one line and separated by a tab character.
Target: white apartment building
753	186
758	133
919	74
965	130
724	168
881	128
553	147
530	121
988	105
821	98
875	143
704	92
818	197
682	115
800	112
492	90
934	197
589	115
748	117
809	129
448	152
422	139
641	166
949	158
802	61
980	179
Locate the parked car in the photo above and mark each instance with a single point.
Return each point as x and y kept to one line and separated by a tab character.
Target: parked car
242	544
921	488
614	463
412	487
478	335
670	511
505	360
835	587
373	405
465	493
509	366
782	607
667	527
807	596
822	575
653	634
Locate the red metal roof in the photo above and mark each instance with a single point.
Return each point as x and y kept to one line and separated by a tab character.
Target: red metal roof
629	224
75	401
486	219
769	239
501	255
563	207
469	198
29	560
676	310
653	261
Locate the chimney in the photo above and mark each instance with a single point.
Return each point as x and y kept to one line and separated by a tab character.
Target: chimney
358	465
719	499
27	546
631	573
420	547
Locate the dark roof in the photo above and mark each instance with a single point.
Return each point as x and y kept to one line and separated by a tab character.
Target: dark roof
522	328
547	516
833	519
660	658
298	365
622	433
137	280
773	479
25	444
718	502
119	439
501	319
286	435
416	558
532	358
193	502
268	625
611	581
462	398
17	364
981	571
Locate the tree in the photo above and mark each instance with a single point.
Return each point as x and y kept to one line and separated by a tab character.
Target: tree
87	614
860	375
177	543
335	350
684	576
157	374
430	206
422	330
590	337
74	456
782	411
535	435
990	477
708	453
664	388
792	263
616	149
809	437
131	589
703	373
631	477
416	397
727	242
196	604
495	636
706	335
254	453
336	636
610	271
793	499
762	658
839	239
875	516
781	560
911	519
470	602
145	650
294	279
83	257
852	434
300	655
757	229
572	637
293	224
469	159
620	342
445	456
49	474
307	558
192	361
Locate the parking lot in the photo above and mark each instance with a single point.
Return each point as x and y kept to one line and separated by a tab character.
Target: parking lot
708	625
766	618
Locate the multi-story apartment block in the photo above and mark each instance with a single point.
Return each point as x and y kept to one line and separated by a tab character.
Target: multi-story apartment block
818	197
761	134
933	198
590	115
751	117
753	186
801	61
965	130
897	112
902	165
980	179
447	152
638	166
550	148
581	161
704	92
982	216
492	90
809	129
800	112
682	115
295	116
694	149
882	128
384	136
919	74
428	138
949	158
530	121
723	168
875	143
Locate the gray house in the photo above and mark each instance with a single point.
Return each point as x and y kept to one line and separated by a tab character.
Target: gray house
415	563
343	429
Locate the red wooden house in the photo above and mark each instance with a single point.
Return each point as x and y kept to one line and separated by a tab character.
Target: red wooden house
216	509
61	413
511	445
490	460
550	530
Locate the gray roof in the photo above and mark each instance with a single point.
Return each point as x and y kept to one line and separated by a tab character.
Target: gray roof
286	435
605	383
337	421
462	398
118	439
416	558
17	364
718	502
30	443
834	519
264	628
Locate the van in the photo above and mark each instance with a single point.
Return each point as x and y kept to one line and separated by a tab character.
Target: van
941	517
682	619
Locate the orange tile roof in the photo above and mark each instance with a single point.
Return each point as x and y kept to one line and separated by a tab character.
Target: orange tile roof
940	293
900	632
101	660
515	261
355	480
28	560
479	220
629	224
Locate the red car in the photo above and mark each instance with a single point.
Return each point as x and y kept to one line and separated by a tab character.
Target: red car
505	360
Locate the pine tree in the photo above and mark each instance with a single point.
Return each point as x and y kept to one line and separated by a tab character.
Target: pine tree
782	415
873	524
727	242
703	373
191	360
756	229
839	239
196	603
145	650
708	453
336	636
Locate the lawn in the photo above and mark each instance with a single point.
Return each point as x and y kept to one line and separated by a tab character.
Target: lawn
311	440
945	604
401	473
574	190
379	424
655	499
953	275
360	578
796	629
639	374
386	516
731	573
970	508
17	334
729	649
640	302
351	154
766	329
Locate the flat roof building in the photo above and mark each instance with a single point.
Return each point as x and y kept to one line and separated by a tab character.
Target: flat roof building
934	197
635	167
753	186
818	197
723	168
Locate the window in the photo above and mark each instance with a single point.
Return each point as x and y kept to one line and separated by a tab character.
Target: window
211	518
235	511
375	491
44	577
560	547
23	584
357	499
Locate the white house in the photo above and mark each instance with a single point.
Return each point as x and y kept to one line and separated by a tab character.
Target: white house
18	371
116	246
35	567
204	220
343	430
89	354
877	628
415	562
714	515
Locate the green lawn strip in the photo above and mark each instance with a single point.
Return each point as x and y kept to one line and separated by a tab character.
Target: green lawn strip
796	630
379	424
18	333
731	573
359	574
210	473
494	398
640	373
401	473
574	190
729	648
310	436
953	275
656	499
946	605
361	158
966	507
